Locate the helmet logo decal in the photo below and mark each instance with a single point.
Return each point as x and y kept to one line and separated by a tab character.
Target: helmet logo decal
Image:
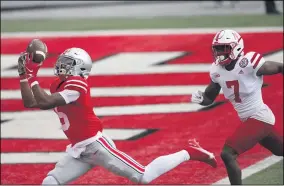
66	51
220	35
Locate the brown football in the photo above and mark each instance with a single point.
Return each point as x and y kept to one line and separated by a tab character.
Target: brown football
37	50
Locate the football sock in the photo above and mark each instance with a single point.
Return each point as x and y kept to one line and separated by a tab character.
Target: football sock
163	164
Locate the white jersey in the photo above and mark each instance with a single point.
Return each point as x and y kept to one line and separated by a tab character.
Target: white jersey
243	87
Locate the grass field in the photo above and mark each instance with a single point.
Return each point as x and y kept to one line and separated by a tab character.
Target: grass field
270	175
165	22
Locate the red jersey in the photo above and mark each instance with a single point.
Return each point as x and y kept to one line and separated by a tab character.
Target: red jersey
78	119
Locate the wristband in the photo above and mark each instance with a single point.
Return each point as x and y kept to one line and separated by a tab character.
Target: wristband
31	80
23	76
34	83
23	80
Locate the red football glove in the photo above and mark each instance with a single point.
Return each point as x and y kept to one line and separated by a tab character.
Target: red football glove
31	69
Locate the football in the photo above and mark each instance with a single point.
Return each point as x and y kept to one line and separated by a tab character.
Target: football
37	50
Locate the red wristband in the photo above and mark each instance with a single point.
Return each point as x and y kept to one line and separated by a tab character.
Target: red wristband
32	81
23	78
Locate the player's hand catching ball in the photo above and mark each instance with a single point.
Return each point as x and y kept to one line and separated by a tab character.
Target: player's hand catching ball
32	60
197	97
27	70
31	68
21	64
37	51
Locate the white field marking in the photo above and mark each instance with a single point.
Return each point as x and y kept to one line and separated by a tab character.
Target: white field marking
130	32
127	63
126	91
142	63
47	116
8	61
277	57
147	109
120	64
40	127
259	166
31	157
172	68
124	60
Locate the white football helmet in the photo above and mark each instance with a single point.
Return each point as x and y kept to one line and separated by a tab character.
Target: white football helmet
227	46
75	62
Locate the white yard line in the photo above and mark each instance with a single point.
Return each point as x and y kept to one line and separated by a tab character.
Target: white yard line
165	108
126	91
128	32
102	71
259	166
31	157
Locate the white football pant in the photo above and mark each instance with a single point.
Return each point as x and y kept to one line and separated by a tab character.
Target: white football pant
103	153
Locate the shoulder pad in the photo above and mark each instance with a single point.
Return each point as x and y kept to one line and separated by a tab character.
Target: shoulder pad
254	58
76	83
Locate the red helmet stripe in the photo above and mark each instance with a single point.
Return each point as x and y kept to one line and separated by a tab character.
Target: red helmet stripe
239	39
217	37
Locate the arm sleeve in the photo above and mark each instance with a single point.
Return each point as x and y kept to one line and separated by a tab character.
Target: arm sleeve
212	78
69	95
213	73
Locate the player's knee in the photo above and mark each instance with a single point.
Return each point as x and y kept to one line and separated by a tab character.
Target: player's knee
279	152
228	155
149	175
50	180
144	179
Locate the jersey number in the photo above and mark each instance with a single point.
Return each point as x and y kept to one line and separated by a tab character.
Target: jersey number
63	119
235	85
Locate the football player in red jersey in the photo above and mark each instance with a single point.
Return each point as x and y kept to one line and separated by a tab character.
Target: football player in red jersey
240	76
71	100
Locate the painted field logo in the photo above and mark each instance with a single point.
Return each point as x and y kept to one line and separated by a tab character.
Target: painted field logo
141	92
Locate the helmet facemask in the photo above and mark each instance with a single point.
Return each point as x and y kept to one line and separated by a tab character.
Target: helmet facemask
222	53
66	65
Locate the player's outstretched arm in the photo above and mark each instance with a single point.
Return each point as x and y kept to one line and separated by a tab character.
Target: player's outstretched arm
208	96
35	97
270	68
26	93
44	100
210	93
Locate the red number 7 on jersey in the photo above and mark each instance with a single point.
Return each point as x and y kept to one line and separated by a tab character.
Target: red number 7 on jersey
235	85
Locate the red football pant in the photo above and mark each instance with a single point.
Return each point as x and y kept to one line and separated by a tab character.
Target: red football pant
253	131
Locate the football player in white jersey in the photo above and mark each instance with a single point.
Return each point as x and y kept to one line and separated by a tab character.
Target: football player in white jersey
240	76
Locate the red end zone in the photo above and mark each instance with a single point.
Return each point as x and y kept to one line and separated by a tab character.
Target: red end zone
210	127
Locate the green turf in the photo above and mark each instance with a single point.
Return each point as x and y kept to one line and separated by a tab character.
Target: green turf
272	175
163	22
